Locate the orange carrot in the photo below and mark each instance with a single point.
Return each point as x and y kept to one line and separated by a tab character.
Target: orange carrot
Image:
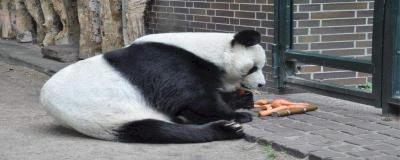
261	102
270	111
279	102
297	106
266	106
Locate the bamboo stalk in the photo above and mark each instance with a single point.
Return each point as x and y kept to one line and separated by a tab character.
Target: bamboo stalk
292	111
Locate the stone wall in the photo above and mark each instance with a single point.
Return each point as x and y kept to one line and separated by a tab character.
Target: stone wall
88	26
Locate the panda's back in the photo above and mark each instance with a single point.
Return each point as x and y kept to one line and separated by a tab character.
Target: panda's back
91	97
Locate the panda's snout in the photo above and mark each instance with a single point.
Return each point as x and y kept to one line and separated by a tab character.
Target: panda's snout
260	85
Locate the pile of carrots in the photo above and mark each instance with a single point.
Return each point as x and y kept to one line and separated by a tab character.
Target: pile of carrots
281	107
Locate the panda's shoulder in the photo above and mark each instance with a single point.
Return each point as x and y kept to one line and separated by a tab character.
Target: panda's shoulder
187	38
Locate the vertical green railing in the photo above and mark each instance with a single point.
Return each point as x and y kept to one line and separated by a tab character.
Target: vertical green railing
282	39
396	67
384	66
391	40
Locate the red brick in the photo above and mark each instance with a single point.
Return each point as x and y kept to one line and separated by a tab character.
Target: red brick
343	37
333	14
220	6
332	30
345	6
332	45
241	14
250	7
344	22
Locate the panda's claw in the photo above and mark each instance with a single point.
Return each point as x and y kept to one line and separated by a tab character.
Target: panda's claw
230	124
236	125
227	129
240	130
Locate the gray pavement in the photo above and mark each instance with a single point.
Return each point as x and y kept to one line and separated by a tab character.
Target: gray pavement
28	133
338	130
28	55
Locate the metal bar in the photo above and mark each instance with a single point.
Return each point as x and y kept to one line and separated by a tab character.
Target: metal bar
377	49
390	40
283	38
330	61
332	90
276	56
396	60
394	102
284	59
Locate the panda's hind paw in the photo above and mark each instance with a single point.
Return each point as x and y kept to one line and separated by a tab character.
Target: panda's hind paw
227	129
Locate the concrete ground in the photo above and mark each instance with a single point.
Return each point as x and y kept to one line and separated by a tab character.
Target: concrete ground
338	130
28	132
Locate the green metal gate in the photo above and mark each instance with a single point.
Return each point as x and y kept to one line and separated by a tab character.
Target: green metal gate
383	66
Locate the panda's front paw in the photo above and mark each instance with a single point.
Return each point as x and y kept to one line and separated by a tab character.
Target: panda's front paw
242	117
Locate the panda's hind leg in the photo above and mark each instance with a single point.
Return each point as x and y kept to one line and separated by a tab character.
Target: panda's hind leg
155	131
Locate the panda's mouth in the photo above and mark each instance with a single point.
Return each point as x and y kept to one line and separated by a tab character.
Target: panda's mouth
244	86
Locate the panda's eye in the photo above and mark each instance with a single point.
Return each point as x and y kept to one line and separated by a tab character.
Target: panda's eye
252	70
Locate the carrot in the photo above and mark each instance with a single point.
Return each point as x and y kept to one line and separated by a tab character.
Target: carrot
270	111
279	102
266	106
297	106
261	102
259	106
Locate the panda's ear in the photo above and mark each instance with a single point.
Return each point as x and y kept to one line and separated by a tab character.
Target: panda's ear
247	38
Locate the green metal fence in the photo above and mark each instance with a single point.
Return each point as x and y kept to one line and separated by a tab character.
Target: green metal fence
383	66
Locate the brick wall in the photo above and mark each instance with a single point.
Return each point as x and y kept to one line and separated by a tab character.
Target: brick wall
214	16
334	27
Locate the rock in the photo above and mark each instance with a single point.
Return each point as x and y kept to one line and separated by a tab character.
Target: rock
35	10
89	20
133	19
72	12
50	22
24	37
111	28
24	22
66	11
61	53
7	17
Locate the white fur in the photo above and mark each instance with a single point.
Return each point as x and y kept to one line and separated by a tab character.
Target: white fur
92	98
216	48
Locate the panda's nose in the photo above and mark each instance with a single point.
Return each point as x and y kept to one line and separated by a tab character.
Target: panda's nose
260	85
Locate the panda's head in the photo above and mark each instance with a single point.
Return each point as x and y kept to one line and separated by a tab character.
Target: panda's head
246	63
239	55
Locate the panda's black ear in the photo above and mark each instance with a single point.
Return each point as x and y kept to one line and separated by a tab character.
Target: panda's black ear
247	38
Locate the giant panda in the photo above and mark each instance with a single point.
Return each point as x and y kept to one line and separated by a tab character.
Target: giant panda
163	88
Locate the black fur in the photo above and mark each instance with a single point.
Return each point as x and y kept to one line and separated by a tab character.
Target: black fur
236	100
177	83
155	131
247	38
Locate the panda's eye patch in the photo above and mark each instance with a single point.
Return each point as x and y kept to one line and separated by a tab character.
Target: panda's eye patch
252	70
